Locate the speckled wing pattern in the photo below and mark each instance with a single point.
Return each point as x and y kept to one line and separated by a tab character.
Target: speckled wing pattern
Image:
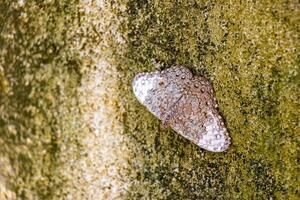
186	103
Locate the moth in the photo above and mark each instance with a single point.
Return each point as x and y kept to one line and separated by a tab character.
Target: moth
186	103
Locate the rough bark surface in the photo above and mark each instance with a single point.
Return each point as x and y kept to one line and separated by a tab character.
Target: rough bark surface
71	128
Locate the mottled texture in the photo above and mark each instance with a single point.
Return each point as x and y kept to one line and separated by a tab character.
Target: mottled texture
107	145
185	102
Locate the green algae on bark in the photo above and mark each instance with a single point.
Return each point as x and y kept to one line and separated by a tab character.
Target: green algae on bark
39	76
247	49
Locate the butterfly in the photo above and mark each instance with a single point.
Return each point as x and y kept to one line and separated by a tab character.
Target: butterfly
186	103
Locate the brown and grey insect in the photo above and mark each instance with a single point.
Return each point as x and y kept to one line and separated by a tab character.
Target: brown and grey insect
186	103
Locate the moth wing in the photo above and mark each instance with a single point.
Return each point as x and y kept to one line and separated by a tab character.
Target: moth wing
195	117
156	92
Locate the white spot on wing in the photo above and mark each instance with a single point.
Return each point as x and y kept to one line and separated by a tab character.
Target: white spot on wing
214	139
142	85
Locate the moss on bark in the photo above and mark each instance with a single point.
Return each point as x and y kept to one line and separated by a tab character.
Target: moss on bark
248	49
